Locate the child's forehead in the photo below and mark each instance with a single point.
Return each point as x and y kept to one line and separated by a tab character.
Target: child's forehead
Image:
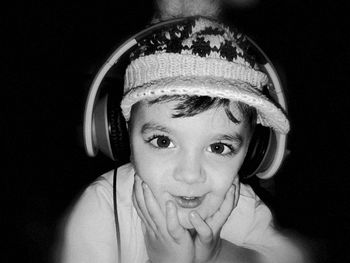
171	108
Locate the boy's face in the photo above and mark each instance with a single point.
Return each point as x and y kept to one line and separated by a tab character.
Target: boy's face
192	160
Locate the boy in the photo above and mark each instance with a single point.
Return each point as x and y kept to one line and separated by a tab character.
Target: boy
193	96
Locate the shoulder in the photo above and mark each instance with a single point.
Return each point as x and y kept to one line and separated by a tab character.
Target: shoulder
89	228
252	203
98	196
106	180
100	192
250	209
251	225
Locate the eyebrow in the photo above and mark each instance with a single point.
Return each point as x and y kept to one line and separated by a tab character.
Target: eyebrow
236	137
150	126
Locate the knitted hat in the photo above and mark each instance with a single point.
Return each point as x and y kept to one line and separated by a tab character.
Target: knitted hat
202	57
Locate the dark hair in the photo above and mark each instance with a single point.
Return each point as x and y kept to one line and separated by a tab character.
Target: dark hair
190	105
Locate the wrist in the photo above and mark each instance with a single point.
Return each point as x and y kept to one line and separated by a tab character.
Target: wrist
218	251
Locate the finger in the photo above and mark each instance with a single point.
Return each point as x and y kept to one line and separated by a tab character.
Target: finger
143	227
175	230
153	207
147	232
237	191
139	212
141	206
228	203
220	217
204	232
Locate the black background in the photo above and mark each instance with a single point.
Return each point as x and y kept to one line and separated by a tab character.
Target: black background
50	51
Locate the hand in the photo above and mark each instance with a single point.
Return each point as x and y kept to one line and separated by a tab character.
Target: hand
208	241
166	240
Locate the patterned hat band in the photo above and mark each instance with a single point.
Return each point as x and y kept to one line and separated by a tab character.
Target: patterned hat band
155	67
268	113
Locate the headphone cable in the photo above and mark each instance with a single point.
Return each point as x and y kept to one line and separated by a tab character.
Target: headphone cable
116	212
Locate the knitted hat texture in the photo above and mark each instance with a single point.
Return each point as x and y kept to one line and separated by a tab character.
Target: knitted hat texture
202	57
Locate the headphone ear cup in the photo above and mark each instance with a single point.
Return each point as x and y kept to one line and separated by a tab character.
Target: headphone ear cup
256	152
118	134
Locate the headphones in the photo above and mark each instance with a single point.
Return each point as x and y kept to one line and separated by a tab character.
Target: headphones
105	129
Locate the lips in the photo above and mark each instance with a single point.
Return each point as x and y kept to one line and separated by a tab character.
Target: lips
189	201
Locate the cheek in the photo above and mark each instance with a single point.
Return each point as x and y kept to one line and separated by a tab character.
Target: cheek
221	175
219	189
220	180
151	170
146	166
140	158
149	164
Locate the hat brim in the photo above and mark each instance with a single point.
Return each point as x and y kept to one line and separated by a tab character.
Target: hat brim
269	114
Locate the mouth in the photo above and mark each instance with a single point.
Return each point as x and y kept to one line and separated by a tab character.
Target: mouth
189	201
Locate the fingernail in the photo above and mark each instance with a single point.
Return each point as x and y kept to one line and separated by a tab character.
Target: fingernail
193	214
169	204
232	189
144	185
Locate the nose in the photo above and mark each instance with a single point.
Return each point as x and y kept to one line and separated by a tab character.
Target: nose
189	169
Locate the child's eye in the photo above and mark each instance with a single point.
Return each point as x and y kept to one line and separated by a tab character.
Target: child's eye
221	148
161	141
